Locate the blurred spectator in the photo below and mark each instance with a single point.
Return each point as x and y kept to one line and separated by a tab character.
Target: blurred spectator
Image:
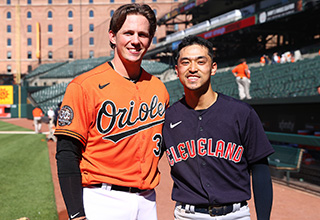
297	55
37	114
265	60
262	60
242	74
288	57
276	58
318	90
268	60
56	113
51	116
283	58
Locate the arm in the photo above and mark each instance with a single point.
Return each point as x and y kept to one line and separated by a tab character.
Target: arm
262	189
68	157
234	72
247	72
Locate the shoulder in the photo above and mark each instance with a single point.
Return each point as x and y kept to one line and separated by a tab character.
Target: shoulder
153	82
232	103
93	74
179	107
147	76
235	68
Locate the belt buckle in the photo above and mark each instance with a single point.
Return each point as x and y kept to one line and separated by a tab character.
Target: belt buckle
215	210
211	208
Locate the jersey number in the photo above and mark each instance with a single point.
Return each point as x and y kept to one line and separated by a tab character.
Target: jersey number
158	139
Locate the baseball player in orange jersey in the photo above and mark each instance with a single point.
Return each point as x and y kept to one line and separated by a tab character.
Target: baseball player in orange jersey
109	128
37	115
242	74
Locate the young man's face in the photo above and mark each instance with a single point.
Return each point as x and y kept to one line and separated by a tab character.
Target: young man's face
132	40
195	67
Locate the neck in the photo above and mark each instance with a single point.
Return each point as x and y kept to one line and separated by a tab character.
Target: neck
126	69
200	101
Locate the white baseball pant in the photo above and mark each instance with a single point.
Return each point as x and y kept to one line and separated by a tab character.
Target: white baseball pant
243	87
105	204
37	124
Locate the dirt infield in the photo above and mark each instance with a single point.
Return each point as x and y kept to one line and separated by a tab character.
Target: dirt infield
288	203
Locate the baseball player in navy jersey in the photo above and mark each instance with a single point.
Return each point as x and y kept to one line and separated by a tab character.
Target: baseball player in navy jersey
110	128
213	142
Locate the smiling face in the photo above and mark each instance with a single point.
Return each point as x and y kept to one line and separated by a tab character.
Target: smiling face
132	40
194	68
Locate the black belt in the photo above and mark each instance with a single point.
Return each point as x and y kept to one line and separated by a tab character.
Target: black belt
121	188
215	210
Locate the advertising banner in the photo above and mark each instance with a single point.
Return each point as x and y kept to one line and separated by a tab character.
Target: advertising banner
6	95
229	28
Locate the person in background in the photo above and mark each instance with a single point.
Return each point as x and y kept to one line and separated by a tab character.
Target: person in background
262	60
213	142
51	116
275	58
110	128
242	74
37	115
56	113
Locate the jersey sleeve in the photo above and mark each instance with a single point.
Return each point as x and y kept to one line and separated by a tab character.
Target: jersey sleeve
255	139
74	116
234	70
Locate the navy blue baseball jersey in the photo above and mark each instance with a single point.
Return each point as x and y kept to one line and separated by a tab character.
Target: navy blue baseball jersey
209	151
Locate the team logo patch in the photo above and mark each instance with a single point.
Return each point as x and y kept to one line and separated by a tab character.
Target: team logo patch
65	116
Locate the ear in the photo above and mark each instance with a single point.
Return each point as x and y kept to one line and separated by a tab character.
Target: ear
214	68
176	70
112	37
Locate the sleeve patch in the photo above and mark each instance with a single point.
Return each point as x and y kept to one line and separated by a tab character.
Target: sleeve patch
65	116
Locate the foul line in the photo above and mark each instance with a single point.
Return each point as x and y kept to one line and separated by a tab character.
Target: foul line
22	132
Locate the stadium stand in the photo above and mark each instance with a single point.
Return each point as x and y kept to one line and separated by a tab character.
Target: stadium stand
271	81
153	67
75	68
49	97
44	68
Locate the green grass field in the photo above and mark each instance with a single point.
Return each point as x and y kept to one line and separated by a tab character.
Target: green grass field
26	188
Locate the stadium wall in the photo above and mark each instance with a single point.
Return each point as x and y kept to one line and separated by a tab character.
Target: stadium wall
299	115
14	102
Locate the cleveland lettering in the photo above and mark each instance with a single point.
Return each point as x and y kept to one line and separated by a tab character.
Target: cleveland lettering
204	147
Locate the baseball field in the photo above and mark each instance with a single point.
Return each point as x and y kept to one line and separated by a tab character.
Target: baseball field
28	188
25	179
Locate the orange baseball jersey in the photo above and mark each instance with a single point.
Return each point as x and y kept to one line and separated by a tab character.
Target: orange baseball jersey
120	125
37	112
240	70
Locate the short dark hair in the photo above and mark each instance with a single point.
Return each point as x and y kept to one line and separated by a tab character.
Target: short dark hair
242	60
191	40
120	15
